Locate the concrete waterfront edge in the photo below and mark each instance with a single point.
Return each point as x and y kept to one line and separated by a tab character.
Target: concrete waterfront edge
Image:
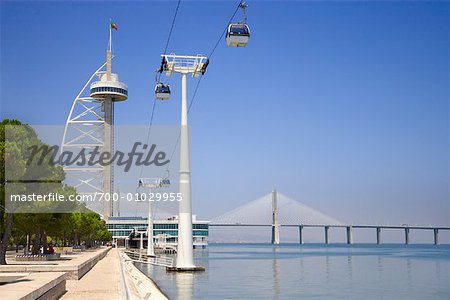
145	286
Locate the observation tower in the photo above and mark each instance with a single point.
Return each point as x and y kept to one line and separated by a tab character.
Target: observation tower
90	124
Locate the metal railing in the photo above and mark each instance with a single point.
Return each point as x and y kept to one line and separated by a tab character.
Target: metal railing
140	256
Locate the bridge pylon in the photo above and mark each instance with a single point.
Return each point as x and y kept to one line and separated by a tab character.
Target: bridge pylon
275	223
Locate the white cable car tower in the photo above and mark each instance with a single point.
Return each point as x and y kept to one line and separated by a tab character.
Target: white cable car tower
90	124
151	184
184	65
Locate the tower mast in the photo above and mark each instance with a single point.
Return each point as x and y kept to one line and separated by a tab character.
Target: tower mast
108	106
90	124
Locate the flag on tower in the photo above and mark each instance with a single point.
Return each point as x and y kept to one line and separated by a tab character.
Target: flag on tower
113	25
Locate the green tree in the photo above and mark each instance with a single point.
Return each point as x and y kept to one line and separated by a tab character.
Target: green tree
6	218
82	225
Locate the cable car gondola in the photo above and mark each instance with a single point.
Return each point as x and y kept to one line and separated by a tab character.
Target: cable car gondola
238	34
162	91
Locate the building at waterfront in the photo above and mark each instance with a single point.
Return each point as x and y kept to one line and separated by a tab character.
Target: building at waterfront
126	231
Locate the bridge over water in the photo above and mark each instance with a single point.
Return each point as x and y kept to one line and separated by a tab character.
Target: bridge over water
277	210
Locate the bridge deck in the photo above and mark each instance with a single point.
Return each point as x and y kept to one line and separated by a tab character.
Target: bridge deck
429	227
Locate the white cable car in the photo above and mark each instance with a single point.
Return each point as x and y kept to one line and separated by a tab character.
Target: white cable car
162	91
238	34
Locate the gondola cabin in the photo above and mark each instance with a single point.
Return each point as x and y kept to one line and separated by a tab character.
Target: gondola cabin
162	91
238	35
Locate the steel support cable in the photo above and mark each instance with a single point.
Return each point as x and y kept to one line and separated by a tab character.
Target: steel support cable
148	132
169	36
200	80
225	30
159	77
211	53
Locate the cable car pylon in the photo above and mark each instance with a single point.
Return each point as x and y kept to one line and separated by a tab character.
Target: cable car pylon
196	66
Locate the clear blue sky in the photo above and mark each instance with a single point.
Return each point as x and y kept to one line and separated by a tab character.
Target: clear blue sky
341	105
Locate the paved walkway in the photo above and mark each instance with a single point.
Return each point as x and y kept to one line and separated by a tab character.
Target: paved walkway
101	282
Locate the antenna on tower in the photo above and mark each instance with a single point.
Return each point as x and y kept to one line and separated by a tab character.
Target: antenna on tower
109	51
112	26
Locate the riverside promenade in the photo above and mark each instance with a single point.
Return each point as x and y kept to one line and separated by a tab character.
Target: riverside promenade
114	277
103	273
103	281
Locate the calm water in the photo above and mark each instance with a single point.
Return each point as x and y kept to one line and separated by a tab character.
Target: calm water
262	271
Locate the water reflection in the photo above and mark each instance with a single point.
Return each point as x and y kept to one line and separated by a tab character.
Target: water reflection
437	267
380	267
185	285
327	268
408	272
350	269
275	275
